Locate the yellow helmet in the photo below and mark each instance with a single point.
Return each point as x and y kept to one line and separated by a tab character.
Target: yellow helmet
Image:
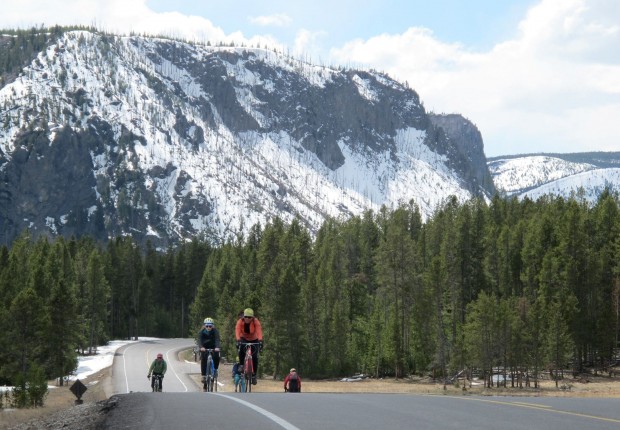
209	321
248	312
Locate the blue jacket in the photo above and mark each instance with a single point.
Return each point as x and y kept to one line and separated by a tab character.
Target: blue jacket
209	339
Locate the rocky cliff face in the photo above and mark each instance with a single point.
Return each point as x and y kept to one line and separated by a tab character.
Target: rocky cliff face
466	149
107	135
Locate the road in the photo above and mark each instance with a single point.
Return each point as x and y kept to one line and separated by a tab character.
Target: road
131	365
182	406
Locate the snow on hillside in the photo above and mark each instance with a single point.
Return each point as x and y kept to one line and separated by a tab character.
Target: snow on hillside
245	178
516	174
590	183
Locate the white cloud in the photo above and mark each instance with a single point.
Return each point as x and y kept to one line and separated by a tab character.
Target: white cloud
119	16
278	20
579	30
558	81
307	42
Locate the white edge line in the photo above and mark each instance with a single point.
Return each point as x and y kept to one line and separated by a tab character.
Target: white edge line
172	367
282	422
125	365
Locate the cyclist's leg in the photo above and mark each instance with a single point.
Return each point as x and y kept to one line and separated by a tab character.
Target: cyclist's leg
215	381
241	354
203	365
254	364
216	361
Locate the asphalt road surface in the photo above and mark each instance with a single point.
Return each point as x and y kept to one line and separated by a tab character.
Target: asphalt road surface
182	406
132	362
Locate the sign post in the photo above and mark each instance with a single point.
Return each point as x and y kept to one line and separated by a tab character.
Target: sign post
78	389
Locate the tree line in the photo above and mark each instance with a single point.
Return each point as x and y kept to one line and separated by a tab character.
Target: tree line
519	285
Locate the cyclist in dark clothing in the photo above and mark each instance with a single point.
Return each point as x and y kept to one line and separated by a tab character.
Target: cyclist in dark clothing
209	338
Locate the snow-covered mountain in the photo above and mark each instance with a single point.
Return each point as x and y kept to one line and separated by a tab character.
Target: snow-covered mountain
585	175
164	140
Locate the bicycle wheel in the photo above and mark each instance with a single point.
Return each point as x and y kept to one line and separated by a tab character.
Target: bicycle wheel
209	382
248	370
248	383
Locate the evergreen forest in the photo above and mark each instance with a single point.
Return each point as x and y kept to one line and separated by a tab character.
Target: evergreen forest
517	285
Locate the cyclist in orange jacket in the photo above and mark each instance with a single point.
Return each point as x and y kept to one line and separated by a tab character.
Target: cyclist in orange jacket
248	329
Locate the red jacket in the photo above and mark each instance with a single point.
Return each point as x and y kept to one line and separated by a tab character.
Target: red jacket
250	332
288	377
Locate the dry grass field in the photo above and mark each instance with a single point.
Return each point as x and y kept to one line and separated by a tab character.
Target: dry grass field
594	387
61	397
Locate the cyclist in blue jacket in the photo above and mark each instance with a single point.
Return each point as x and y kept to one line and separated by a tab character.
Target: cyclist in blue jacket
209	338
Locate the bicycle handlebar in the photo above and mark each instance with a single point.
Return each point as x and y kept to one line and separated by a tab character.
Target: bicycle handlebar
252	345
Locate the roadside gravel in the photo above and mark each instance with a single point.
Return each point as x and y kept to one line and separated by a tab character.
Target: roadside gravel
87	416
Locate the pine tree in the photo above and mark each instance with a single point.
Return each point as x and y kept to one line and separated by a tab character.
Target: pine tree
480	335
63	333
98	294
398	272
27	319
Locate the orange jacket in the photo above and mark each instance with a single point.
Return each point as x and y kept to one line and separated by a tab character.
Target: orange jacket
251	331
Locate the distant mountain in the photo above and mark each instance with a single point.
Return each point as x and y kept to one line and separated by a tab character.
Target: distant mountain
584	174
164	140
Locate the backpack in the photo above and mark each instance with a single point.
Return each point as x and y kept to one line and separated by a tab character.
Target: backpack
293	383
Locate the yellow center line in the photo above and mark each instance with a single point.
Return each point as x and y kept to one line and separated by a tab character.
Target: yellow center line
540	408
146	356
534	405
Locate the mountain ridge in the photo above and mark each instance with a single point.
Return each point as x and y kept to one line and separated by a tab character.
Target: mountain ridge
166	140
185	140
586	175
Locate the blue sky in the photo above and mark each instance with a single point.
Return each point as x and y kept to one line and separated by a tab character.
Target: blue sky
533	75
340	21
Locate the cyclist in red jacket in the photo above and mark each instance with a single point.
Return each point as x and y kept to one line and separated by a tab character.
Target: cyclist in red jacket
292	382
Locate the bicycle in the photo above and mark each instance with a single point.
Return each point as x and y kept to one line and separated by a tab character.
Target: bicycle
248	364
240	386
210	382
156	382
